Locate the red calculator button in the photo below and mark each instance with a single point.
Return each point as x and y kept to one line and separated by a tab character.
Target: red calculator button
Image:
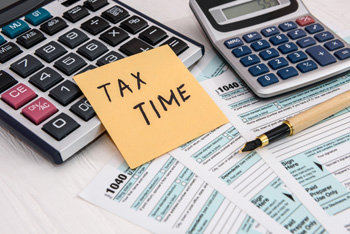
39	110
18	96
305	20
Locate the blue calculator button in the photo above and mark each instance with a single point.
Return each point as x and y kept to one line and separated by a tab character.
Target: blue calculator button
297	33
2	40
15	28
267	80
287	26
287	72
269	54
334	45
287	48
258	70
297	56
260	45
278	63
234	42
343	54
307	66
314	28
241	51
250	60
253	36
279	39
306	42
321	55
270	31
38	16
324	36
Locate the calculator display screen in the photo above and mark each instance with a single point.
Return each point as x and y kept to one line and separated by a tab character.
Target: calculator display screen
6	3
248	7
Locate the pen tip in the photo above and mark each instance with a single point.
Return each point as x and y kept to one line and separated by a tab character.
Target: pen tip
251	145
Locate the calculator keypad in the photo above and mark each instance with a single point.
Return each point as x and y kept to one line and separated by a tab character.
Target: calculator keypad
38	86
287	50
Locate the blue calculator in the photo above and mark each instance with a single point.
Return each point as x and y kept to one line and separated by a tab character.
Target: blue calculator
275	46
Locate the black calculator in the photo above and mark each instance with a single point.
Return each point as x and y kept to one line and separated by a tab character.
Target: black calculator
44	44
275	46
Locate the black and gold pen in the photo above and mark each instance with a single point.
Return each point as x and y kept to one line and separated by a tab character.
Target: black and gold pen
301	121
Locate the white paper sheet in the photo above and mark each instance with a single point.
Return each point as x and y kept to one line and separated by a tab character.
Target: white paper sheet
163	196
253	116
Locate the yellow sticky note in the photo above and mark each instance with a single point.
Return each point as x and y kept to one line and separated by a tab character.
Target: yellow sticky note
149	104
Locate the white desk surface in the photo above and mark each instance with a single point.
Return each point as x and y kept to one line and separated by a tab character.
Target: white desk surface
39	197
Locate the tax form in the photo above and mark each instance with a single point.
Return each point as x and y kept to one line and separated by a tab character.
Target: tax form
253	116
163	196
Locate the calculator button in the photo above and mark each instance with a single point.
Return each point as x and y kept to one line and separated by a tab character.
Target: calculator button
94	5
307	66
88	68
260	45
18	96
334	45
30	38
83	109
241	51
134	24
324	36
305	20
153	35
279	39
287	26
8	51
109	58
321	55
267	80
269	54
65	93
37	17
26	65
306	42
76	13
315	28
115	14
343	54
250	37
297	56
60	126
177	45
287	72
50	51
6	81
250	60
258	69
45	79
297	33
73	38
278	63
234	42
92	49
2	40
53	26
95	25
15	28
114	36
270	31
134	46
70	63
39	110
287	48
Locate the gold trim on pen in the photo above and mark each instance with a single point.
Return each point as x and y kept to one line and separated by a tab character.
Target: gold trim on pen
291	130
264	140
